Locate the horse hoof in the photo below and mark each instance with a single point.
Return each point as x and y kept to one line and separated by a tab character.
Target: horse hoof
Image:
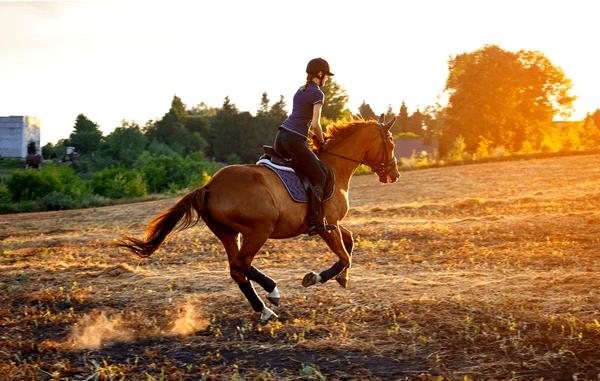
342	281
274	301
310	279
267	314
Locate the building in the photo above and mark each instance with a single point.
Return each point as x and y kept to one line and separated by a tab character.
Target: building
416	147
16	132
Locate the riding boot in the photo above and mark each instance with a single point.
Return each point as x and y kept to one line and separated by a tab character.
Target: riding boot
316	222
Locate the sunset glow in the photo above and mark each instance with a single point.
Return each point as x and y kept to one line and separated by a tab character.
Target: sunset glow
126	60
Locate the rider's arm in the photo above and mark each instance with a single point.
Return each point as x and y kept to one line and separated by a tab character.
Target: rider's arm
315	123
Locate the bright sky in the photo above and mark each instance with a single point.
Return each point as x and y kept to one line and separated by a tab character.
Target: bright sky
125	60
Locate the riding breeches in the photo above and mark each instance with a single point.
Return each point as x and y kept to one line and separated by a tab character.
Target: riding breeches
304	161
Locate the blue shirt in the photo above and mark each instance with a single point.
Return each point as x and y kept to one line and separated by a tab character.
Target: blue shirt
304	100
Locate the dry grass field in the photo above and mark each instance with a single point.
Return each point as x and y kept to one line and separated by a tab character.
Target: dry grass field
479	272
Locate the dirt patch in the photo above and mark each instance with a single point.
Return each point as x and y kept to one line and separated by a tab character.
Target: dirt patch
478	272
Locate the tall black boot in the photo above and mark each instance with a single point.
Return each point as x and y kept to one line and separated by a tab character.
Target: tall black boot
316	222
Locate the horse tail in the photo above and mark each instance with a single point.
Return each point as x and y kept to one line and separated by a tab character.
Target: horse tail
180	215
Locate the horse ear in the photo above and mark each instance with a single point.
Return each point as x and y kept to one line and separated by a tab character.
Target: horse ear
389	124
381	119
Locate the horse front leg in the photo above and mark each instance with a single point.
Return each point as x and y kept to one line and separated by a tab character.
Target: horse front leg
336	243
343	277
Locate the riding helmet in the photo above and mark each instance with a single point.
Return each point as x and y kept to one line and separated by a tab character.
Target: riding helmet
316	65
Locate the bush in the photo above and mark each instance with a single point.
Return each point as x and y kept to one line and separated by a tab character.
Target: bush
233	158
457	152
54	187
172	172
118	182
362	170
526	148
4	194
499	152
483	149
58	201
32	184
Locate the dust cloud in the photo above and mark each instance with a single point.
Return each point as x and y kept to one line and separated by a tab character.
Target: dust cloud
93	330
188	321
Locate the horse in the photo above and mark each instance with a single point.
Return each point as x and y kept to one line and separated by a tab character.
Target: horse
250	201
33	160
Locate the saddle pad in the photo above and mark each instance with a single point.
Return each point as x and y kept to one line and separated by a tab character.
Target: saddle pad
291	181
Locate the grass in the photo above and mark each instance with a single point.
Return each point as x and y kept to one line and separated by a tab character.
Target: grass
485	271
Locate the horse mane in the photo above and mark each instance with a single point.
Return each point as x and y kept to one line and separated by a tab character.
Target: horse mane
340	131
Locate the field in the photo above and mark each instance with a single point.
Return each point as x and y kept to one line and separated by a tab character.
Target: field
487	271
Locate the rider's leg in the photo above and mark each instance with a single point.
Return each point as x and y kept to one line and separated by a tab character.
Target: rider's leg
306	163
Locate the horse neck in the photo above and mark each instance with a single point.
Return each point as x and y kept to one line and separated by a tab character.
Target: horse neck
344	168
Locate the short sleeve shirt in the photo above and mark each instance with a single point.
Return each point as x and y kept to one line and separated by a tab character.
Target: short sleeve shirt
304	100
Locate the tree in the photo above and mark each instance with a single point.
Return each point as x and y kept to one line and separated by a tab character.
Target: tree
590	136
389	113
265	124
171	130
596	117
86	135
277	111
401	124
263	109
415	123
505	97
366	112
126	143
336	100
226	138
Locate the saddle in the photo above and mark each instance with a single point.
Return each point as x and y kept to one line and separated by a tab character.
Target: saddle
272	156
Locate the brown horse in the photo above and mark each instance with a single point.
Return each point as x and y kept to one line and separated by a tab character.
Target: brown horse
250	201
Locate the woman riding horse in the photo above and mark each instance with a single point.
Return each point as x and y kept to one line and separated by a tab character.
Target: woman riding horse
291	140
250	202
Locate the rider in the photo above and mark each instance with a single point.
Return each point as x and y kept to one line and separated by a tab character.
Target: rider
291	139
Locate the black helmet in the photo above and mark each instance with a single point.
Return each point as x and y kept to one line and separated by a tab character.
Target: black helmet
316	65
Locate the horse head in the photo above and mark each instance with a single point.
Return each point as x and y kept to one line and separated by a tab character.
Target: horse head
380	151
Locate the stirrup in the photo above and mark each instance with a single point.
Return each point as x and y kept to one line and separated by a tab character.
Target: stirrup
321	228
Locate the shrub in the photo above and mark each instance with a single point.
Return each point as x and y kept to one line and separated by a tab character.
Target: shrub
233	158
362	170
32	184
458	151
550	144
483	149
172	172
4	194
58	201
118	182
499	152
526	148
57	181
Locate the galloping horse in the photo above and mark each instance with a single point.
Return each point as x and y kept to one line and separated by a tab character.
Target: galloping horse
250	201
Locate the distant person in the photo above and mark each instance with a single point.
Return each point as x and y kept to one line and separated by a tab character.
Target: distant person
33	159
291	139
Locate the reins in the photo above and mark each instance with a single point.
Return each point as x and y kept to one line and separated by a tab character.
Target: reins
384	165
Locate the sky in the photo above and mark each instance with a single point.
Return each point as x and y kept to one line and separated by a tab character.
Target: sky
116	60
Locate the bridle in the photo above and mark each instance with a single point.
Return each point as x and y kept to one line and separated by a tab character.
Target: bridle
381	168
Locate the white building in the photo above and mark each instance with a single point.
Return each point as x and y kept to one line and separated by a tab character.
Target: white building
16	132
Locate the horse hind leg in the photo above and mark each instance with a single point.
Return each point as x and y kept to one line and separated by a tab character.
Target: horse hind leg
266	283
243	272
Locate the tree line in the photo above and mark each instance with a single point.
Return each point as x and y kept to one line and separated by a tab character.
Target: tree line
497	100
224	134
